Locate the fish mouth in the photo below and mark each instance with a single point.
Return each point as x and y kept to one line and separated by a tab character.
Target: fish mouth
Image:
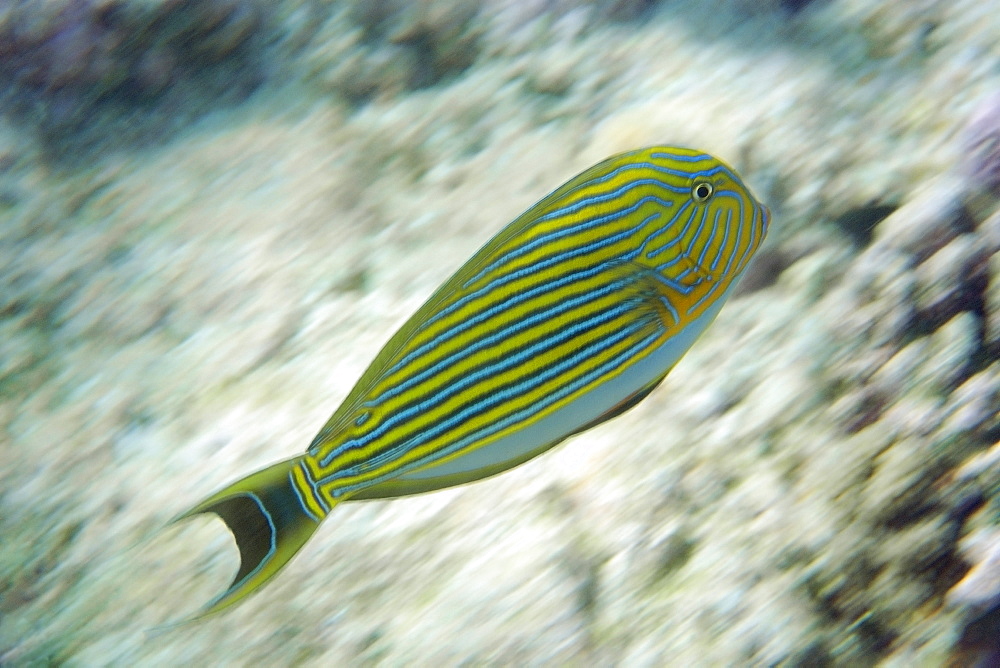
765	218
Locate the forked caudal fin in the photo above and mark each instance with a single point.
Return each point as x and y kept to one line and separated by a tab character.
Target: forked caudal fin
266	517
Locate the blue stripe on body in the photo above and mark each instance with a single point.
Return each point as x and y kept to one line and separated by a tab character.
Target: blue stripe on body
513	328
534	349
669	225
510	330
554	259
681	158
511	419
711	238
603	197
725	238
729	261
569	230
670	307
298	494
702	173
680	236
635	165
675	284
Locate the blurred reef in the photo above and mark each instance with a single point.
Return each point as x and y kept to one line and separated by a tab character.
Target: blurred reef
214	212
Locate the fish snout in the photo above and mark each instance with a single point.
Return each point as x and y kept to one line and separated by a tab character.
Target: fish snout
765	218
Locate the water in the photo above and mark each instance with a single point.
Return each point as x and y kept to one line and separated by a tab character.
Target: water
210	229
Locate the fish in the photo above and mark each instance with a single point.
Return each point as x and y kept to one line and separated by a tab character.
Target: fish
569	316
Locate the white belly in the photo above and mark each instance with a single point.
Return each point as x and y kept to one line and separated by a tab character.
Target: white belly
515	448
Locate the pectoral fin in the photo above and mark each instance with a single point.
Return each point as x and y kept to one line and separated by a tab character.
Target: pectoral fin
623	406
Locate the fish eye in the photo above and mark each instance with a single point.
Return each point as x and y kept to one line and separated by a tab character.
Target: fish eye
702	192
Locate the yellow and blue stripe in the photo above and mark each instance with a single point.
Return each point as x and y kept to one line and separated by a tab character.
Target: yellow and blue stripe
570	315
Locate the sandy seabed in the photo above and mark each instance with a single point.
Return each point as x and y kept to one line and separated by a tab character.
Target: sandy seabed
816	483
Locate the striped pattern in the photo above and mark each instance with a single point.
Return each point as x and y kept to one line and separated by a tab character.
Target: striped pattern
585	284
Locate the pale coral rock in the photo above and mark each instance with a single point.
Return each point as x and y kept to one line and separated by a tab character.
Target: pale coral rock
195	301
982	144
927	222
980	588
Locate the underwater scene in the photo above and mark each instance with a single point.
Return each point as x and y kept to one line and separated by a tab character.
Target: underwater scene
611	333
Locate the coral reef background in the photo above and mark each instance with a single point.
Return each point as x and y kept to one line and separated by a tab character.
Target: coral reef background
214	212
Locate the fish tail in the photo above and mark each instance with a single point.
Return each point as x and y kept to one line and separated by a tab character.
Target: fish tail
270	518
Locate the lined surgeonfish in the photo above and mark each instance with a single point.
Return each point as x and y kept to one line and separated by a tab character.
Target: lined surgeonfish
569	316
